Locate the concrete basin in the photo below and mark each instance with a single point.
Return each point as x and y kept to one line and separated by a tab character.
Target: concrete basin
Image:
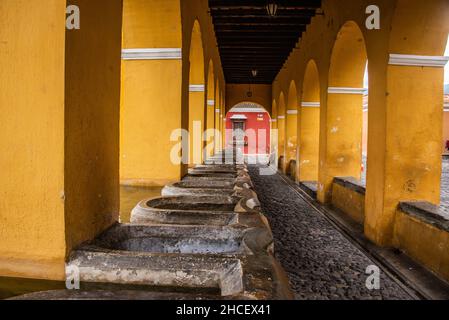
198	188
185	210
174	239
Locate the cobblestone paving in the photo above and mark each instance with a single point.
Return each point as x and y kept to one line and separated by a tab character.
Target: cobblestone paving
321	262
445	186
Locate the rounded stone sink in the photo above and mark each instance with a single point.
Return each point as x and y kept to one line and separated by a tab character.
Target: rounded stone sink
217	211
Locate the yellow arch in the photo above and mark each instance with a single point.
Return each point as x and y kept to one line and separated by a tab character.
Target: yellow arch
291	126
196	96
344	114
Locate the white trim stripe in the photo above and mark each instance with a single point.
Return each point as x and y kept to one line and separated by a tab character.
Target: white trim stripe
345	90
211	103
310	104
196	88
217	110
248	110
418	61
152	54
292	112
274	120
281	117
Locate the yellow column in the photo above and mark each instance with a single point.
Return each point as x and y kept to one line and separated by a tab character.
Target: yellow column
291	134
281	139
196	123
343	153
405	155
309	120
59	132
151	91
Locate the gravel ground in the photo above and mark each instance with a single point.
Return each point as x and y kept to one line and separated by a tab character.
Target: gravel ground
321	262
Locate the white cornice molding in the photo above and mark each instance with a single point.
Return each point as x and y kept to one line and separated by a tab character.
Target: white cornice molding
281	117
292	112
152	54
248	110
211	103
196	88
418	61
346	90
310	104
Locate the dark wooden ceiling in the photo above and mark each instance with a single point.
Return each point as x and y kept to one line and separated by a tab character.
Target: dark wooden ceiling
248	38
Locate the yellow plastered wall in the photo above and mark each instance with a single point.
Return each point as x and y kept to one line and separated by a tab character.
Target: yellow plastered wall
32	138
151	94
291	125
423	242
309	125
350	202
197	12
210	113
281	131
426	36
344	119
92	106
59	136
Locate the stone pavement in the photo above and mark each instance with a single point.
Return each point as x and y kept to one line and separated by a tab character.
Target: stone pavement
320	261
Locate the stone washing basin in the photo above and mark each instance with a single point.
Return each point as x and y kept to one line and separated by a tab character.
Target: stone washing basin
198	188
165	239
158	272
209	174
213	169
217	211
243	278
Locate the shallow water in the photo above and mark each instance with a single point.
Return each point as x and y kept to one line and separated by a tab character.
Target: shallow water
131	196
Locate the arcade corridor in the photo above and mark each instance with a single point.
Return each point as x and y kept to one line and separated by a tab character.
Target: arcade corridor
224	149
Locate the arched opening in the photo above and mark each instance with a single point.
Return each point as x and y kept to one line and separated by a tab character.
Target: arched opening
309	124
248	128
196	96
210	114
281	132
291	126
344	114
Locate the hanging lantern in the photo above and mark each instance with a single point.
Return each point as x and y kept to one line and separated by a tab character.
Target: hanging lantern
254	73
272	8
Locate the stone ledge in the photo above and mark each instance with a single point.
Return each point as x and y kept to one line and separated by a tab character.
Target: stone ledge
351	183
310	187
426	212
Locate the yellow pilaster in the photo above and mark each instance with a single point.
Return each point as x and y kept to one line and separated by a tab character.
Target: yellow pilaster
407	148
151	92
59	132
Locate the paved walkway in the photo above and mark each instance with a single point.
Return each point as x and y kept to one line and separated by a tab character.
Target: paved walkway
321	262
